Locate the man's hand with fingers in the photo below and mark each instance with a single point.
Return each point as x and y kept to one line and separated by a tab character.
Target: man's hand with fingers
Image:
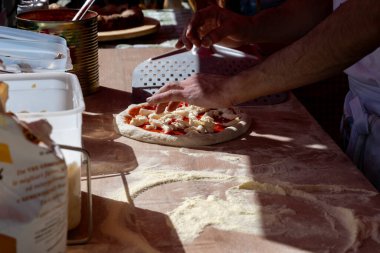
206	90
214	24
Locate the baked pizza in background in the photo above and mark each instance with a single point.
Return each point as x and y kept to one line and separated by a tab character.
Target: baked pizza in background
113	14
187	126
116	17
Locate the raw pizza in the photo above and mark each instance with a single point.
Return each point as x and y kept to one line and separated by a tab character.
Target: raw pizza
187	126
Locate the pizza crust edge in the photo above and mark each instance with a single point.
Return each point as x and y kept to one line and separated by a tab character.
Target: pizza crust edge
187	140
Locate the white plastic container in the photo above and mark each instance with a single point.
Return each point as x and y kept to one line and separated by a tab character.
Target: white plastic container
56	97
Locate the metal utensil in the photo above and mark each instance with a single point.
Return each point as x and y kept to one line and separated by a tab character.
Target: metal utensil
82	11
87	164
180	64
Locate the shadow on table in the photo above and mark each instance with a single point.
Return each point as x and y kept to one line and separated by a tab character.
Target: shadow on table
117	226
286	147
324	100
99	135
120	227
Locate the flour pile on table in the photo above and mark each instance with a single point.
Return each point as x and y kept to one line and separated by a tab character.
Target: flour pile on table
263	209
227	215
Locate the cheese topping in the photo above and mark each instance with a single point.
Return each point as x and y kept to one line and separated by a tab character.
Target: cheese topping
139	120
186	119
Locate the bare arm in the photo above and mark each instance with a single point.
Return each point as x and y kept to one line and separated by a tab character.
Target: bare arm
347	35
289	21
344	37
282	24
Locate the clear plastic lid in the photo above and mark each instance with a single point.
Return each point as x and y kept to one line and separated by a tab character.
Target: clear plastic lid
26	51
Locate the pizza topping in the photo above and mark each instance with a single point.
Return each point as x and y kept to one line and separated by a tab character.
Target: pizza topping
185	119
138	120
134	111
146	112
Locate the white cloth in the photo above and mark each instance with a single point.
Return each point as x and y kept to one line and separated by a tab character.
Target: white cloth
361	119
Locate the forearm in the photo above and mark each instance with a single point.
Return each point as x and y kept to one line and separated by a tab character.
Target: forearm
280	25
289	21
343	38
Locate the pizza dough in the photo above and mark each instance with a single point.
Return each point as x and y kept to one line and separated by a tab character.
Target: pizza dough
187	126
283	212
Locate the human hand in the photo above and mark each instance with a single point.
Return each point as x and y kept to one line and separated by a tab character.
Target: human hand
214	24
206	90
